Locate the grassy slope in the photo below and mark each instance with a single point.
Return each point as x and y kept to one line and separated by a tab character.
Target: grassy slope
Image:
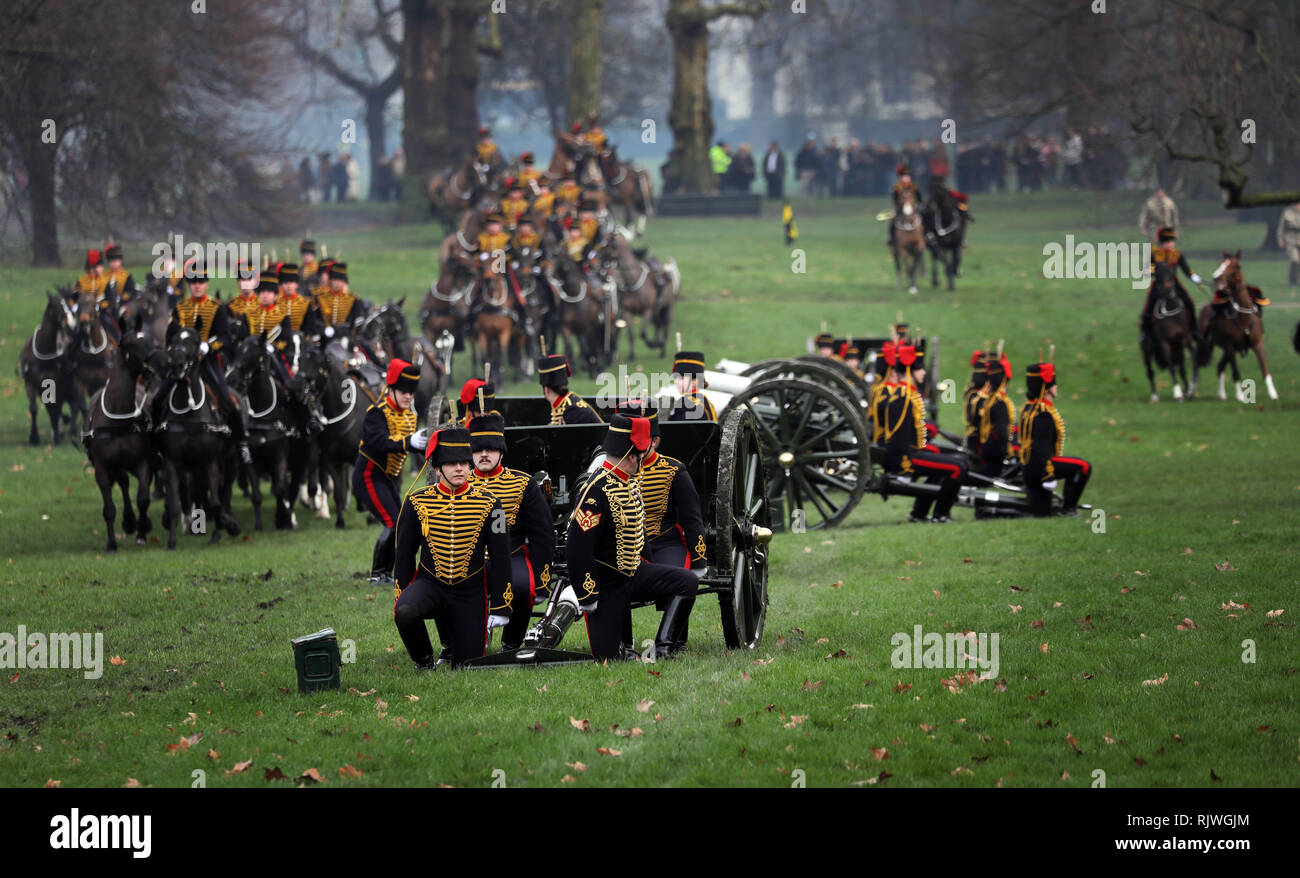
1215	478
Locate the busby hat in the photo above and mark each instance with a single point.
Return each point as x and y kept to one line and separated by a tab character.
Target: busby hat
269	280
403	376
553	371
902	169
287	272
246	270
469	393
307	246
849	350
513	184
1039	376
688	363
1166	233
824	340
487	432
92	259
449	446
528	158
640	408
979	362
195	271
484	131
624	435
113	252
338	271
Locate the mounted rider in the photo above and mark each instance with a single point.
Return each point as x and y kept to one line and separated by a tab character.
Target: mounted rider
92	297
901	188
1168	256
119	282
303	315
210	320
529	176
514	205
247	276
944	202
486	152
340	311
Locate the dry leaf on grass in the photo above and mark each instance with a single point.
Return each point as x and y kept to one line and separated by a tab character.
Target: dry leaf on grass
605	751
240	767
350	771
582	725
1224	567
131	783
117	661
880	754
1158	681
1273	614
311	775
644	705
576	766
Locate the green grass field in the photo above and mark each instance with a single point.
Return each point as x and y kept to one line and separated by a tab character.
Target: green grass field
1200	505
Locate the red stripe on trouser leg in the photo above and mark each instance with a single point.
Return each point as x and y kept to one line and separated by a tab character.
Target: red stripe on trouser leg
532	578
946	467
1077	461
374	498
686	564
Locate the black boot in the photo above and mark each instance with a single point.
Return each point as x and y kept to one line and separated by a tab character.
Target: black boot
444	637
381	564
670	627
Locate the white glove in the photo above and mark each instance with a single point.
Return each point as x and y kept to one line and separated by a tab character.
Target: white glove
700	573
420	439
588	608
203	349
329	332
1196	278
270	348
495	621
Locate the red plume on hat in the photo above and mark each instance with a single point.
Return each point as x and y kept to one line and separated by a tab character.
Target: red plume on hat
92	258
395	371
975	357
433	443
470	390
1006	367
907	354
889	351
640	433
1048	372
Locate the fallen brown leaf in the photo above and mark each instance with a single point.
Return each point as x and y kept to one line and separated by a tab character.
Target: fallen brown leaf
240	767
880	754
644	705
605	751
350	771
582	725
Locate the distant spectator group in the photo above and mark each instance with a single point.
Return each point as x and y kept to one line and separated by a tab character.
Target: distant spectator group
1031	162
340	178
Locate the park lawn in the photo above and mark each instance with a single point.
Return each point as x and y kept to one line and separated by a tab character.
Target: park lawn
1198	508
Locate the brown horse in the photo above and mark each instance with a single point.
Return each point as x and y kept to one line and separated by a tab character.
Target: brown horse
454	191
631	189
117	438
494	320
641	291
1235	325
909	240
45	362
584	315
1170	336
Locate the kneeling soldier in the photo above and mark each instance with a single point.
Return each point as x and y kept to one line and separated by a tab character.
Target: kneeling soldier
528	516
900	419
604	548
1042	438
461	580
388	434
997	416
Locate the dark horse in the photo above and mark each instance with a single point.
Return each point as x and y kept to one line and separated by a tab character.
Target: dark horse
342	400
1170	336
583	315
1236	326
46	366
273	427
117	438
945	234
196	444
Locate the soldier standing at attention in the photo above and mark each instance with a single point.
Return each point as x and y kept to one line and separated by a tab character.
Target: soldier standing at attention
688	372
528	517
606	539
461	579
566	407
1042	438
969	401
388	434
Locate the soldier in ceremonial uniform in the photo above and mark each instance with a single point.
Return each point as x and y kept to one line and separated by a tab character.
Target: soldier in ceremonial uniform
247	275
93	297
514	205
569	192
605	546
529	176
303	317
119	283
340	310
692	405
825	344
307	267
486	151
900	188
941	196
884	362
269	317
566	407
1042	438
970	401
206	317
542	207
388	434
527	515
900	424
851	356
470	393
997	416
493	240
462	577
1168	254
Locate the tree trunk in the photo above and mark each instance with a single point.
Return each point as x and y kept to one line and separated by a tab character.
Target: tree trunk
461	73
690	116
586	72
423	129
375	102
39	158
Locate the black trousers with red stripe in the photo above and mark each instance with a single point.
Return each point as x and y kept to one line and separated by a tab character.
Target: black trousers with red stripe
948	471
668	549
523	589
650	583
376	492
460	610
1073	471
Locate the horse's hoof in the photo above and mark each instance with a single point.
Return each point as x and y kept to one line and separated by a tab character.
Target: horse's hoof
340	524
141	541
1155	397
911	291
